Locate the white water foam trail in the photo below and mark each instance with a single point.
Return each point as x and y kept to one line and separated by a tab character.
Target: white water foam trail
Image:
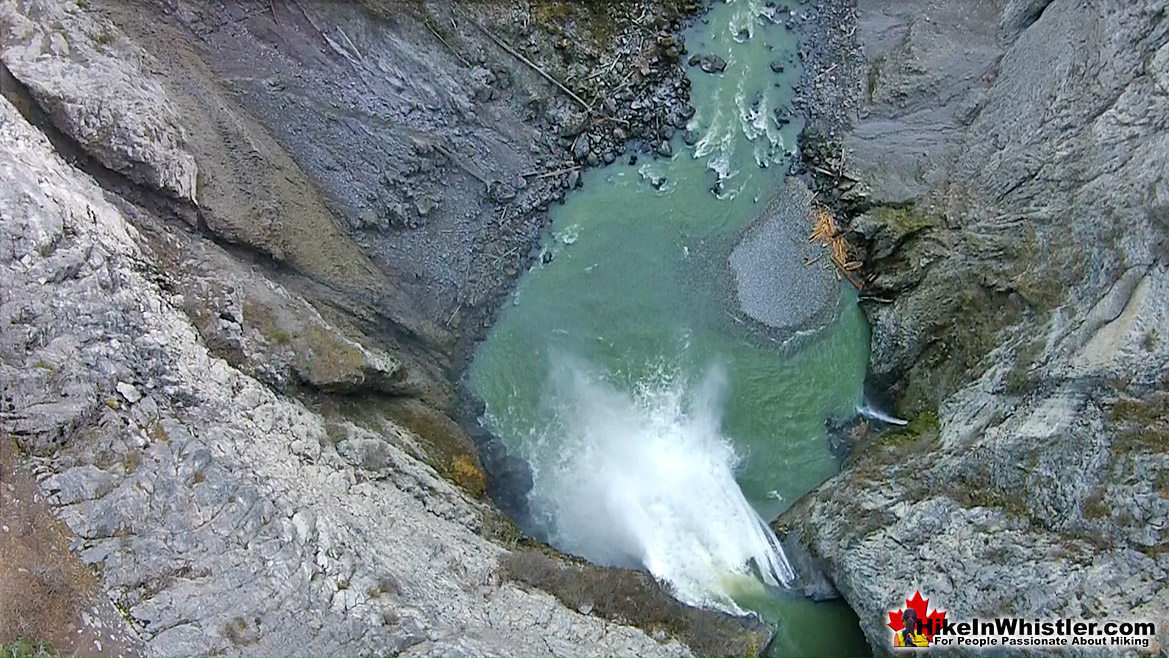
647	481
755	121
743	20
718	140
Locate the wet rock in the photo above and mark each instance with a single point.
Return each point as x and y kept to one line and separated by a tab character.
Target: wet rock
712	64
500	192
811	581
664	149
845	433
580	147
424	204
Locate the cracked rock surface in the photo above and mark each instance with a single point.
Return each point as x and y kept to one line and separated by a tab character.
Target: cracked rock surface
1010	190
225	517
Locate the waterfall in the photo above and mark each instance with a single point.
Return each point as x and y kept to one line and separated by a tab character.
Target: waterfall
867	410
646	480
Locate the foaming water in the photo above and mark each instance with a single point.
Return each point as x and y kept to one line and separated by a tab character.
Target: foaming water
647	480
647	466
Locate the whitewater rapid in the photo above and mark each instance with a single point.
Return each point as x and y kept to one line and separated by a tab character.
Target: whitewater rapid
645	479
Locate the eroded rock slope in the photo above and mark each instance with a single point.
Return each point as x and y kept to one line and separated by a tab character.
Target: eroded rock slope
238	408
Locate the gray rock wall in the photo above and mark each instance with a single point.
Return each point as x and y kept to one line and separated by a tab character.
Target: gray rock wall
1012	161
227	518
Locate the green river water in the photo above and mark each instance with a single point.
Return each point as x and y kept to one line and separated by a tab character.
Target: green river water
629	332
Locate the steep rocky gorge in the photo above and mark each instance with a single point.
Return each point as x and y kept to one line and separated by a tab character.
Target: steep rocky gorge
1003	167
244	244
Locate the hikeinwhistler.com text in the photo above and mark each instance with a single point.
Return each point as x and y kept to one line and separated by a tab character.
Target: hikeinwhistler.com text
1015	632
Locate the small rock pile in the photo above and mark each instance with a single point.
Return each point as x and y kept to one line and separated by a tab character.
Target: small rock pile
628	68
831	59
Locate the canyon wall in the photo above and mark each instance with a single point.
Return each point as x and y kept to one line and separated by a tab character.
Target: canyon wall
241	246
1005	174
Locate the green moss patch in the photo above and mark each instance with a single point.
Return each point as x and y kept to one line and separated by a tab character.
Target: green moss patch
447	448
1141	424
905	219
23	647
918	437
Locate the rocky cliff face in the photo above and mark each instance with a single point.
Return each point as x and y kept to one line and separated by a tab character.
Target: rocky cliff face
228	393
1014	206
225	517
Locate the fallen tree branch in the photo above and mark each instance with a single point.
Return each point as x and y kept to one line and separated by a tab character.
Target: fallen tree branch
548	174
349	42
826	233
454	52
514	53
461	164
824	172
827	71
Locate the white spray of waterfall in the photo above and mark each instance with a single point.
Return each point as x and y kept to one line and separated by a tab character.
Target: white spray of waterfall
646	480
869	411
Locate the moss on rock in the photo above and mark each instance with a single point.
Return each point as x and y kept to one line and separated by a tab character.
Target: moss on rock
446	447
466	473
905	219
23	647
635	598
919	436
1141	423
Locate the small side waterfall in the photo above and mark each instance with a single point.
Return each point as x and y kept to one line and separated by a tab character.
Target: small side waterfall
866	409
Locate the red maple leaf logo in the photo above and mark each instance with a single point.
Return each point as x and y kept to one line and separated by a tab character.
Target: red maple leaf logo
919	606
